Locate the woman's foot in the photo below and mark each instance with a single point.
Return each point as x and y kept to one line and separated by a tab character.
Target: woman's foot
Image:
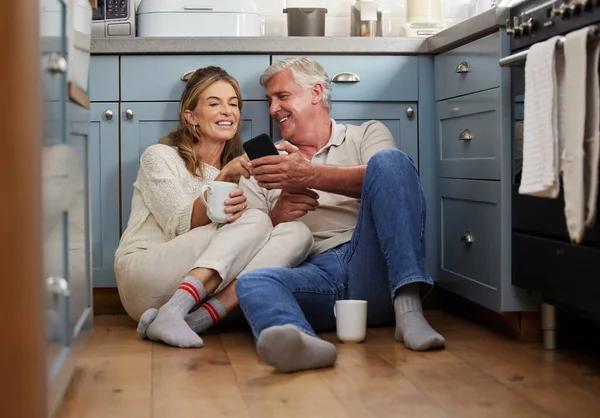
168	324
171	329
145	321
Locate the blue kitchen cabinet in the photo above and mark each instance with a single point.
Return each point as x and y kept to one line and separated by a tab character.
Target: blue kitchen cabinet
104	184
65	222
142	124
474	170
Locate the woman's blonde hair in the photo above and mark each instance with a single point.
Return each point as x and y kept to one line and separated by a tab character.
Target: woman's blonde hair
186	136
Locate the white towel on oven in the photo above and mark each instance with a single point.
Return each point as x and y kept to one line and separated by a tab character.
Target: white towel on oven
591	145
574	123
540	125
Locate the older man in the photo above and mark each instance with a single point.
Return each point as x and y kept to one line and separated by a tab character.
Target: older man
361	198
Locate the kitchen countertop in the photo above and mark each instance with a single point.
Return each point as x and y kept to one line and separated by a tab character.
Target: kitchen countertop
477	26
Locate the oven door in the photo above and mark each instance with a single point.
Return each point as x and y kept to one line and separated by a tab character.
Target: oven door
544	261
542	217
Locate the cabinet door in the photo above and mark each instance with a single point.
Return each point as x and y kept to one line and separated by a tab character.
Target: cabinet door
104	184
142	124
79	246
396	116
55	179
470	239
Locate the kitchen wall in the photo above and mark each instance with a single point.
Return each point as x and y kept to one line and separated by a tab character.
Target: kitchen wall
338	14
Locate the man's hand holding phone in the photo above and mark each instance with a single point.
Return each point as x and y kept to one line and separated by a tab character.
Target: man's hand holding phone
283	171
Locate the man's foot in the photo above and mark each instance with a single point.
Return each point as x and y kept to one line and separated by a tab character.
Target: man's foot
146	319
289	349
171	329
411	326
413	329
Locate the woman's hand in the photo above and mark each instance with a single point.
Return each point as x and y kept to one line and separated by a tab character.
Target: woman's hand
235	169
236	204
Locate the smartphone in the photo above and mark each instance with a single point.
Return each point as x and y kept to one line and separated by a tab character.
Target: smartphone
260	146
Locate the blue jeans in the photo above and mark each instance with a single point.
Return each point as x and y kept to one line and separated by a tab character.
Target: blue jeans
386	252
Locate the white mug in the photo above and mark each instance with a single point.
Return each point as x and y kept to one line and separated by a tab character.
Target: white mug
217	193
351	320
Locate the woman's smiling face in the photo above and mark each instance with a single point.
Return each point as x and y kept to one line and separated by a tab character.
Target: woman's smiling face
217	114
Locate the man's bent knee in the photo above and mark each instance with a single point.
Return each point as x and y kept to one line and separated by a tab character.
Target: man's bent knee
391	159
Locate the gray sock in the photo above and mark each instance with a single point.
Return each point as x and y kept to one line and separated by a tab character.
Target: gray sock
290	349
169	325
206	316
411	326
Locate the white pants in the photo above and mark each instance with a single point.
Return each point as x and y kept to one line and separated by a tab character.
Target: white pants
147	279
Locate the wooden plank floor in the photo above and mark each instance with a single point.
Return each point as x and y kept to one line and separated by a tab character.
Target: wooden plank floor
480	374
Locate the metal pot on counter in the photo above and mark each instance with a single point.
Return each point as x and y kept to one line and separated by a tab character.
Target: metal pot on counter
305	21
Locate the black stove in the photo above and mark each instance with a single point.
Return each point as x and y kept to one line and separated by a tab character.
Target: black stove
536	20
544	260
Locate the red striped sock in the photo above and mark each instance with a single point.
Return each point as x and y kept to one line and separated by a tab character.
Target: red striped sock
189	294
209	314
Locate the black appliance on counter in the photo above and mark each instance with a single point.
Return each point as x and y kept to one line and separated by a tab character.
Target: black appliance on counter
544	259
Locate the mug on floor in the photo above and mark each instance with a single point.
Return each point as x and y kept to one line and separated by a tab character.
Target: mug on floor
351	320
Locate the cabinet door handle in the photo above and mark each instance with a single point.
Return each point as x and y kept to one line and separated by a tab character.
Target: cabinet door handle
467	238
129	114
462	68
56	64
345	77
465	135
410	112
108	114
58	286
186	76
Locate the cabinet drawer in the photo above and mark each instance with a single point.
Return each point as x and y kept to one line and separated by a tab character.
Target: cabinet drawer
470	137
480	72
104	78
382	78
152	77
470	259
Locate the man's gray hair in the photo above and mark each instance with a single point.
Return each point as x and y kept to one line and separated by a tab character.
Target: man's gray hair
306	71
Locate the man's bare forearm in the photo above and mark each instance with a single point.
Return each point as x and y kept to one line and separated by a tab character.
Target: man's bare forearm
346	181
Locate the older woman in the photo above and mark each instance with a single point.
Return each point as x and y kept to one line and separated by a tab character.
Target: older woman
171	256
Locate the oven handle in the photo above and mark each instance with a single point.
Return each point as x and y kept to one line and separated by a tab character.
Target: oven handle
518	59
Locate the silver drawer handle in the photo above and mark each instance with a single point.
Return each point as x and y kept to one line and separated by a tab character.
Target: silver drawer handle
197	8
465	135
129	114
462	68
186	76
108	114
467	238
58	286
345	78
